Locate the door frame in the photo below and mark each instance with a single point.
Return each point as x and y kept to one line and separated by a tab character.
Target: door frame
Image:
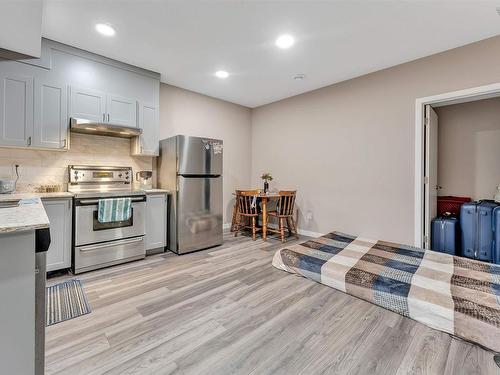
453	97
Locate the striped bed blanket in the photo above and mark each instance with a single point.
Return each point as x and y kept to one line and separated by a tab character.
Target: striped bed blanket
449	293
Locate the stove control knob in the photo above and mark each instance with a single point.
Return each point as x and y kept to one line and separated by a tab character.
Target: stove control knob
120	175
127	177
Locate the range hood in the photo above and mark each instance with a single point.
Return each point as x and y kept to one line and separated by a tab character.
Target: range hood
79	125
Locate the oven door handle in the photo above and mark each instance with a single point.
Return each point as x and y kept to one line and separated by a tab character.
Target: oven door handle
111	244
95	201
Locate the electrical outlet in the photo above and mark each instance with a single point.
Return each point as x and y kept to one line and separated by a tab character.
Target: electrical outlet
309	215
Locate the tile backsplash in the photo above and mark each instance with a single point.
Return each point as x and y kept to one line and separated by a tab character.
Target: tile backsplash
37	167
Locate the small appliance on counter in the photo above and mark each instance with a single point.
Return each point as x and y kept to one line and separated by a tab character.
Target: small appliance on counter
144	179
7	186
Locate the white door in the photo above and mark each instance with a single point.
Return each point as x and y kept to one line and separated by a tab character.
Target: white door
121	111
51	115
431	175
150	137
59	214
88	104
16	110
156	221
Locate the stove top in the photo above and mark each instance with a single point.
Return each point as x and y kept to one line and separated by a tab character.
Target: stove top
99	181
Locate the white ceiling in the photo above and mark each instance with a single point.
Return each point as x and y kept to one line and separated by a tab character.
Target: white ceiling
187	41
25	16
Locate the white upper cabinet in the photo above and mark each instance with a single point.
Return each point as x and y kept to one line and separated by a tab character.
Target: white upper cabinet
88	104
121	111
50	115
97	106
16	110
38	96
149	141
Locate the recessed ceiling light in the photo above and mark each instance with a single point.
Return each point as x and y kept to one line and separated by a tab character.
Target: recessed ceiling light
299	77
105	29
285	41
221	74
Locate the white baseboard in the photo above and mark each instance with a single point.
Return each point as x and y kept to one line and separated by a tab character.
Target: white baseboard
302	232
308	233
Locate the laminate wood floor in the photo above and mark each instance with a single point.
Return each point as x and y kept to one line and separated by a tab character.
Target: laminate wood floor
226	310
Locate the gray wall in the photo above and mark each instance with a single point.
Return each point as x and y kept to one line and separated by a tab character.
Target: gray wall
349	148
189	113
469	149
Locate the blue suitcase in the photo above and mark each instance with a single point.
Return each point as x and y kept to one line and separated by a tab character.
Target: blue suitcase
476	224
496	236
445	235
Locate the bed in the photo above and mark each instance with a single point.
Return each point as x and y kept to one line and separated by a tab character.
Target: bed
449	293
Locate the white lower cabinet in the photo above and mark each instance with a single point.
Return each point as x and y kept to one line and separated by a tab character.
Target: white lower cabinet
156	221
59	212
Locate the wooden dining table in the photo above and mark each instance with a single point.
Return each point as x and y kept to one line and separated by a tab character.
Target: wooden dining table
264	198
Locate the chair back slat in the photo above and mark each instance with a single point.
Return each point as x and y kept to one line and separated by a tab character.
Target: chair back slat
286	202
245	199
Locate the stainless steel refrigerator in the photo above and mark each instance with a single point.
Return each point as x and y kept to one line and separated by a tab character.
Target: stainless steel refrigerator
191	167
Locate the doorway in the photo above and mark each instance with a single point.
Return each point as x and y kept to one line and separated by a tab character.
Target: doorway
427	180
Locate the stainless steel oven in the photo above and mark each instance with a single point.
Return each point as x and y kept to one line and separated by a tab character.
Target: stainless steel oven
96	244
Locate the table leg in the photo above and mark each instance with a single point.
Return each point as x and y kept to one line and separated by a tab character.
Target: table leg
235	215
264	218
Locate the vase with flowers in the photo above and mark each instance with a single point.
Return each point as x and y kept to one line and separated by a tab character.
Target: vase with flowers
267	178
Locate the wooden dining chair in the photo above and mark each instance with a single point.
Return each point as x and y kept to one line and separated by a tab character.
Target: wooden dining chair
247	208
284	211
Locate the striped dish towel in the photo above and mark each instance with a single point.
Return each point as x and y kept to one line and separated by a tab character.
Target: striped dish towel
114	209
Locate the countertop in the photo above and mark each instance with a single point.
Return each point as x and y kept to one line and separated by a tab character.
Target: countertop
157	191
61	194
28	215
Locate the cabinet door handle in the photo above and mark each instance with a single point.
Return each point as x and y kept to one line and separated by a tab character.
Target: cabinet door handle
29	141
103	117
64	143
108	117
141	149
